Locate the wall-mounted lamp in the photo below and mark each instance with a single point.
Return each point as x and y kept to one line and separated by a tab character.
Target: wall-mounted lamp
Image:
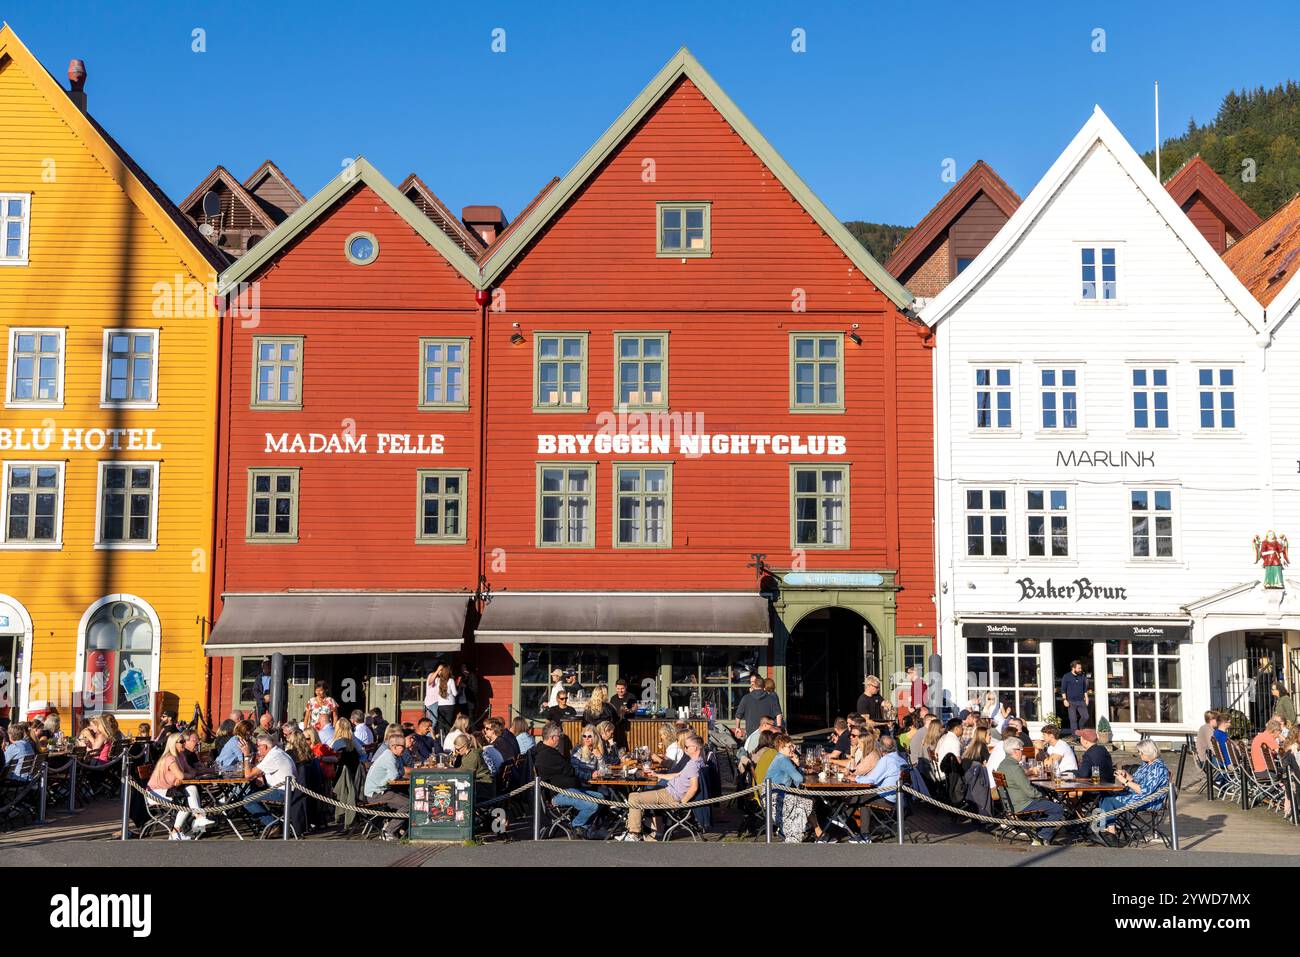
516	337
853	334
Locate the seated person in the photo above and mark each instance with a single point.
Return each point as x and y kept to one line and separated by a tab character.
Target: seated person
494	729
274	766
885	774
1020	796
1269	738
20	747
1060	756
469	757
1096	756
422	745
586	756
607	739
792	812
231	755
555	769
1150	776
1205	736
838	745
522	734
386	767
682	787
1221	738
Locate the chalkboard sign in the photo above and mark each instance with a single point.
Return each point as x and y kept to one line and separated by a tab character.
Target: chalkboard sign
442	805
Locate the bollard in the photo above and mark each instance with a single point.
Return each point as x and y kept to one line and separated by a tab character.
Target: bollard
288	801
898	808
1182	761
537	809
767	808
1245	792
45	791
72	784
126	796
1288	783
1209	779
1173	817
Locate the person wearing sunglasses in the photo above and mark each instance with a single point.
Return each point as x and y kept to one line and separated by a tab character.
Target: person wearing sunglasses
561	709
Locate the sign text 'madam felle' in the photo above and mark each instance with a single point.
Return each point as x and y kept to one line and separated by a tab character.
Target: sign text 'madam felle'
621	443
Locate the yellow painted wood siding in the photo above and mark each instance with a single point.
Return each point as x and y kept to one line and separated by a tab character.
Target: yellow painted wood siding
95	257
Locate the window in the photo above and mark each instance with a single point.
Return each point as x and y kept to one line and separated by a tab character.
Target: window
33	504
128	496
1060	398
412	671
15	221
560	372
684	229
1092	258
1144	682
641	370
916	654
589	667
816	372
1150	398
361	249
444	373
118	666
719	677
1047	512
1218	396
1007	667
566	496
130	375
35	368
277	372
820	507
986	523
963	262
442	506
994	388
643	506
1152	513
272	505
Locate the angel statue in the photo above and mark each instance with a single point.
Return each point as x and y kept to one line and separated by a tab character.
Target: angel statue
1272	551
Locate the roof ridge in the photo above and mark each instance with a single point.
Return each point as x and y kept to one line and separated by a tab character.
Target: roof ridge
454	221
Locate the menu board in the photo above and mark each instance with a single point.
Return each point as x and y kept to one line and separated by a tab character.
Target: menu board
442	805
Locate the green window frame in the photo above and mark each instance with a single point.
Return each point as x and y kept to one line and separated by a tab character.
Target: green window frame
277	372
560	371
643	505
278	489
566	505
720	675
641	370
819	515
444	374
249	670
683	229
816	367
440	517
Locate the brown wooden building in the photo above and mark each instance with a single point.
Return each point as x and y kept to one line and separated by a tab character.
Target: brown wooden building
234	216
1220	215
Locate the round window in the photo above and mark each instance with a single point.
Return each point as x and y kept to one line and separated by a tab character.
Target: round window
361	248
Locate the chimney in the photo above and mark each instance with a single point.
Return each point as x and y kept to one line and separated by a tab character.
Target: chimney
77	83
487	221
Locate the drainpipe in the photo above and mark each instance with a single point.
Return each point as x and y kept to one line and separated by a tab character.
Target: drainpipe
482	297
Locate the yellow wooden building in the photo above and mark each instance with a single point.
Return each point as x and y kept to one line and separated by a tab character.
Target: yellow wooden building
110	343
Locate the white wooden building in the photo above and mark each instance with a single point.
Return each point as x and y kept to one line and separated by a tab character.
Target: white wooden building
1102	455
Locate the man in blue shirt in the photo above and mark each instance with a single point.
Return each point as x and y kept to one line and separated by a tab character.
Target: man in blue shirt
884	775
20	746
1074	692
387	766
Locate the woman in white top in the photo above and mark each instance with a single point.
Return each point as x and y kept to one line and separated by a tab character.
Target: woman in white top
440	698
557	685
459	726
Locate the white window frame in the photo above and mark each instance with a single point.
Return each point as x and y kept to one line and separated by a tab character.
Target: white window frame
985	512
14	333
1058	368
107	403
1013	369
54	545
1150	512
1047	488
24	240
1098	281
126	546
1216	390
1150	389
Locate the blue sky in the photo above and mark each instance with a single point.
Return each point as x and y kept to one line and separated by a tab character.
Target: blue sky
884	93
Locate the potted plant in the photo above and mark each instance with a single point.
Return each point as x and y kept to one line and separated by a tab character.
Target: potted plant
1103	730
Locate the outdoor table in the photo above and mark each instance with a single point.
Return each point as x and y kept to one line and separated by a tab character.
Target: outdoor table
212	791
622	789
835	804
1076	793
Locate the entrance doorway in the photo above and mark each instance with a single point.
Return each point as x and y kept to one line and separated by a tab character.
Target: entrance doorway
1065	651
828	654
9	645
638	665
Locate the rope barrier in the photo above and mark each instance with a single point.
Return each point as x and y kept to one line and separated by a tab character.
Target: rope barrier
603	802
1070	822
335	803
223	806
834	792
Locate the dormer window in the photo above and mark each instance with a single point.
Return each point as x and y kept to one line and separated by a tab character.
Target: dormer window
684	229
15	210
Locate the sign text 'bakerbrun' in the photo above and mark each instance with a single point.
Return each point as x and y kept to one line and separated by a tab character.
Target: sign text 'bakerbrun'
1078	590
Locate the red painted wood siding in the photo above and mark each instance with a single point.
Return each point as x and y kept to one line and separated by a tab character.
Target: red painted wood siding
1205	219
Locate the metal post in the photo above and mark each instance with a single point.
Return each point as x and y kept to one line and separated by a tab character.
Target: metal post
278	690
72	783
1173	816
1245	792
537	808
1182	760
45	791
126	795
288	805
898	808
767	808
1209	777
1289	786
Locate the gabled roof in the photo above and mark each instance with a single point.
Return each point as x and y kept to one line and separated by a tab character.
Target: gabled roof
199	256
270	169
1267	260
1098	129
683	64
447	221
223	176
360	172
1197	176
980	178
523	215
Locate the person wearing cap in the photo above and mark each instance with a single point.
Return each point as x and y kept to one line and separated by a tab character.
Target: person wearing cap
1096	757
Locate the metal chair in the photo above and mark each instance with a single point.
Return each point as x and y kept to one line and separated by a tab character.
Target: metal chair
1015	823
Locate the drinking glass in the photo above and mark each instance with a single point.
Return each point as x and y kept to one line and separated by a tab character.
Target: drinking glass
1096	775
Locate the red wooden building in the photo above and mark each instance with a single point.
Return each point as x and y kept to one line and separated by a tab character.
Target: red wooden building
1219	213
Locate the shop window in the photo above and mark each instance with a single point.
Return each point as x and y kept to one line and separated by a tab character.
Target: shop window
444	373
1059	395
250	680
995	398
641	370
1047	517
1099	269
643	513
560	372
1152	517
35	368
412	672
719	677
442	506
684	229
589	667
816	372
820	507
33	504
130	374
1144	682
1218	399
1007	667
986	523
272	505
128	499
118	671
566	502
1151	399
277	372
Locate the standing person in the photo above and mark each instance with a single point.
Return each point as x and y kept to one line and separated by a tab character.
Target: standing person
1283	706
1261	693
440	698
557	686
773	702
321	712
598	707
751	708
1074	694
467	692
262	693
625	706
870	703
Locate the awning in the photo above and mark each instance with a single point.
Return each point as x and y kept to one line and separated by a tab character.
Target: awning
1096	630
580	618
307	623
